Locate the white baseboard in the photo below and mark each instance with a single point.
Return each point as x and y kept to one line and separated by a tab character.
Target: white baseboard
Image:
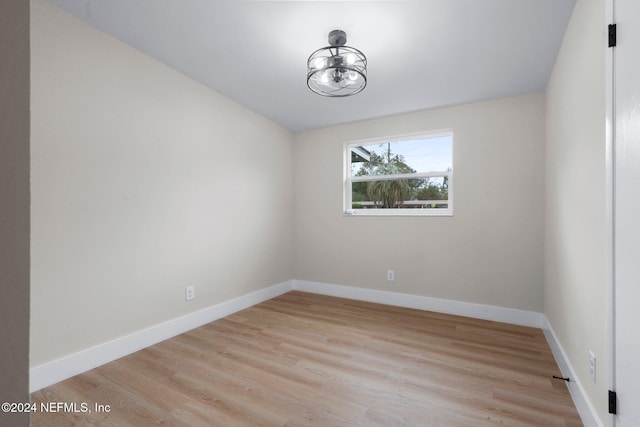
478	311
66	367
52	372
583	404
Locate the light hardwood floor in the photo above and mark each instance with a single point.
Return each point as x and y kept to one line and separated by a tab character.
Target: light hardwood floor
309	360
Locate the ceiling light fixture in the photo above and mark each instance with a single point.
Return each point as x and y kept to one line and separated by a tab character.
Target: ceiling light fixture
337	70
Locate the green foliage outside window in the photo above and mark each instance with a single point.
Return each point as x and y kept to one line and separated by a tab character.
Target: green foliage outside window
392	193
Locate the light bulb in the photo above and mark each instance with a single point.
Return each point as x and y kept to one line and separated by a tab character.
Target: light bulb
350	58
352	75
319	63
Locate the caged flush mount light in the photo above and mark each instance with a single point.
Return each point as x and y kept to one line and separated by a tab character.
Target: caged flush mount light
337	70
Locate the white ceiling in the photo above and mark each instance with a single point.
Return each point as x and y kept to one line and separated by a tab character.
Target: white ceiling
421	54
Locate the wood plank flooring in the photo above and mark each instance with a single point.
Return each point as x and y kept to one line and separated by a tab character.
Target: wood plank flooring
309	360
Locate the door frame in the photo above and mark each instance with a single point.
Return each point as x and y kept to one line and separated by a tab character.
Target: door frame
610	129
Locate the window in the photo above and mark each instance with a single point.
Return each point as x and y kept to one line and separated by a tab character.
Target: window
407	175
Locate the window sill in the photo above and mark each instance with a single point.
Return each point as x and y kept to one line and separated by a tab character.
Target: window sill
399	212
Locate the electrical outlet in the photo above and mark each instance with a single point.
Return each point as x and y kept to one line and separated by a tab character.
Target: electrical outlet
189	293
391	275
592	365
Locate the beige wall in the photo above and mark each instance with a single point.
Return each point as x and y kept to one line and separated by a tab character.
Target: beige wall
489	252
143	182
14	208
575	235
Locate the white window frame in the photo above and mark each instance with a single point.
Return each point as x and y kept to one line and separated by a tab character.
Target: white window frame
349	180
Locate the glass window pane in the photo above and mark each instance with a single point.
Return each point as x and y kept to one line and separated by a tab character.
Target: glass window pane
417	193
405	175
431	154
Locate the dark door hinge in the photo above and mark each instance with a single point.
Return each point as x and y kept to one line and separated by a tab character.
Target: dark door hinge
612	35
613	402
